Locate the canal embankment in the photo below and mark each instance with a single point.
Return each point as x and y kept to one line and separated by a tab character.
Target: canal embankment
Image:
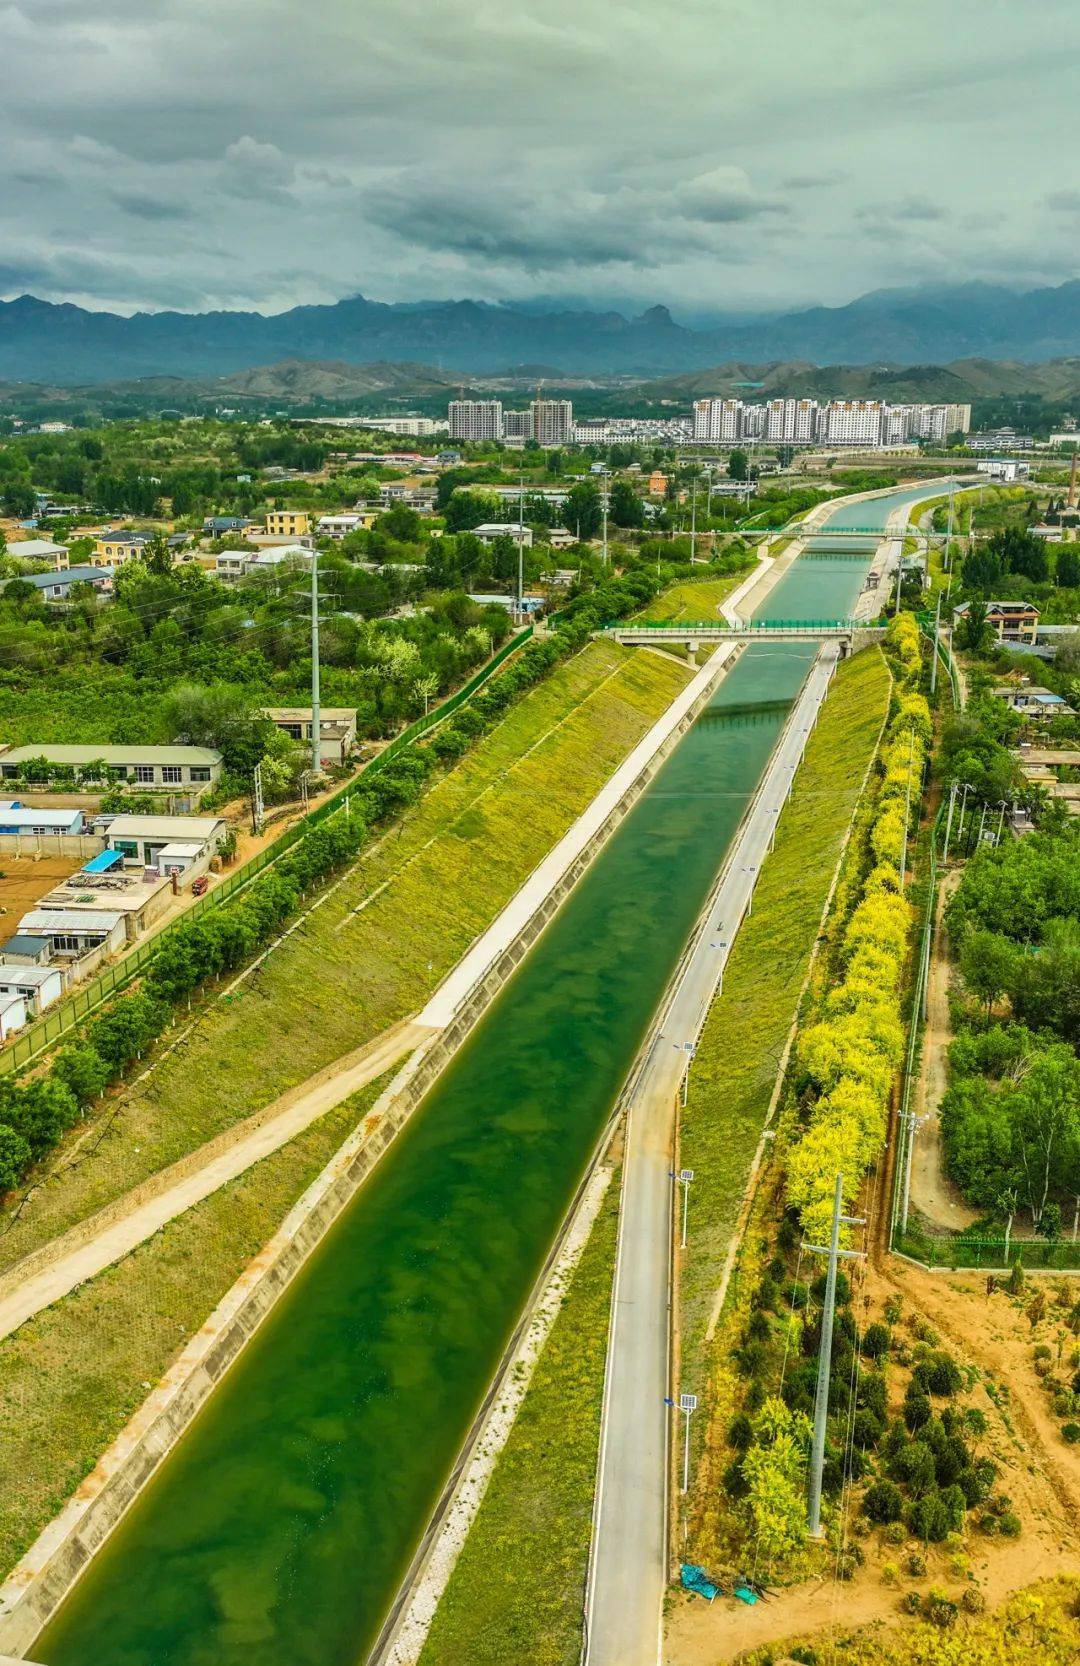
51	1566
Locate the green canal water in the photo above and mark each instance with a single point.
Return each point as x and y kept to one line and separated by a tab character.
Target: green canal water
277	1532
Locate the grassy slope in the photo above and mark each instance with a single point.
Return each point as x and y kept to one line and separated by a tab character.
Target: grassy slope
425	892
734	1073
71	1378
695	602
516	1593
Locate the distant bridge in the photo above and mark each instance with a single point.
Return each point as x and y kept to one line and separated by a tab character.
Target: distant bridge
842	534
854	633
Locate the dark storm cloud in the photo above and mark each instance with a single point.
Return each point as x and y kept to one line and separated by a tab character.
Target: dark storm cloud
178	152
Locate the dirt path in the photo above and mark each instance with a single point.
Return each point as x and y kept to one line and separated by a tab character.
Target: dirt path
80	1254
933	1195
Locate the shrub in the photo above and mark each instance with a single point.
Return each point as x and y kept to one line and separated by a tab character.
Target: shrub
895	1533
875	1342
917	1410
1009	1525
883	1502
973	1601
929	1518
1071	1433
915	1564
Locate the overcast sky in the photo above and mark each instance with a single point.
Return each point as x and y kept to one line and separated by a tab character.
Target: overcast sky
708	154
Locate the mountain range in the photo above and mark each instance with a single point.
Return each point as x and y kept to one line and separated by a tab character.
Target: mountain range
43	341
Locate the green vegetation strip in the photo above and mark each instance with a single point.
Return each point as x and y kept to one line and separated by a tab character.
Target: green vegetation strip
383	938
72	1377
517	1592
735	1069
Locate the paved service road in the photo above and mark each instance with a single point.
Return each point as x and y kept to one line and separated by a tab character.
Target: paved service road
628	1572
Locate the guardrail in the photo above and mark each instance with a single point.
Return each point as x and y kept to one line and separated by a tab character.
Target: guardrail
666	627
86	999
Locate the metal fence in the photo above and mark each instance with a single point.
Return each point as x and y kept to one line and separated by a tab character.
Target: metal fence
962	1251
86	999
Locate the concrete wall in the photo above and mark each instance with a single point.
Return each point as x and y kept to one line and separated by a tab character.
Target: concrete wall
80	845
54	1562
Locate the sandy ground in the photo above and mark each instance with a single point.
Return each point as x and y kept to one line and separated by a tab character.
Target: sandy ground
933	1195
26	881
1039	1472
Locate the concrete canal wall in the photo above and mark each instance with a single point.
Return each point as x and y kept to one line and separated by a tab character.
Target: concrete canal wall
49	1570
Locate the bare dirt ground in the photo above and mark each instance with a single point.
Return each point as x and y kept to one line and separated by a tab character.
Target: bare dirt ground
933	1195
25	882
1039	1472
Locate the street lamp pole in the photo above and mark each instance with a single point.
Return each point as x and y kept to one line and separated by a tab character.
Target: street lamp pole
688	1406
685	1177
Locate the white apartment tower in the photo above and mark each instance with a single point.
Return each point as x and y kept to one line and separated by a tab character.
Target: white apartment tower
718	420
476	419
552	421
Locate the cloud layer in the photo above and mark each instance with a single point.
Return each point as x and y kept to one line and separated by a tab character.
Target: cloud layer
711	154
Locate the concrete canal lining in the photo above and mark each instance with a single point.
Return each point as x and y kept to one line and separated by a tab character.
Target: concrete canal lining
50	1569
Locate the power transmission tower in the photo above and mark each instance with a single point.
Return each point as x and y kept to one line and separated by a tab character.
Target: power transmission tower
828	1313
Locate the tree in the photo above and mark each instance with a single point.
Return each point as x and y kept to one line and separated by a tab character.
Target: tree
18	500
1045	1111
584	511
627	508
14	1157
157	557
973	629
1067	571
738	465
988	965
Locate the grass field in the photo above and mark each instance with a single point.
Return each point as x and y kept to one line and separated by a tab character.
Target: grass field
384	936
693	601
517	1591
71	1378
735	1069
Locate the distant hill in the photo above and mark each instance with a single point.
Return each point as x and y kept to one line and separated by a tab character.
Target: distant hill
65	345
310	379
963	381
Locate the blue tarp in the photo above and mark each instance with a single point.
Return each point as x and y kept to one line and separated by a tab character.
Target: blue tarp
103	862
695	1579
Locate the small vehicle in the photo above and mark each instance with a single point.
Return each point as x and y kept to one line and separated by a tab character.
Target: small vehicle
198	886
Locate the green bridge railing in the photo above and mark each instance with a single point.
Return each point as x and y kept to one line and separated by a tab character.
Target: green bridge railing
809	627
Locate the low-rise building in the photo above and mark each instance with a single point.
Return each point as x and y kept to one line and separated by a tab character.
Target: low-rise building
531	602
488	531
1007	469
72	933
219	526
191	769
339	526
12	1014
142	839
23	819
57	587
337	729
39	986
1010	621
40	549
25	951
1031	700
114	549
288	523
268	561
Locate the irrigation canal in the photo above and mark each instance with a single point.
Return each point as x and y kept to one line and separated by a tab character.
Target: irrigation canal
279	1528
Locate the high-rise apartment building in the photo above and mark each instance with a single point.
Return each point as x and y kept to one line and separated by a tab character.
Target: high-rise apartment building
552	421
476	419
517	425
718	420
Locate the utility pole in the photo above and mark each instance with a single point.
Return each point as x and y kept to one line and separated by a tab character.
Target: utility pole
605	478
693	519
948	823
934	656
316	714
828	1313
257	811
